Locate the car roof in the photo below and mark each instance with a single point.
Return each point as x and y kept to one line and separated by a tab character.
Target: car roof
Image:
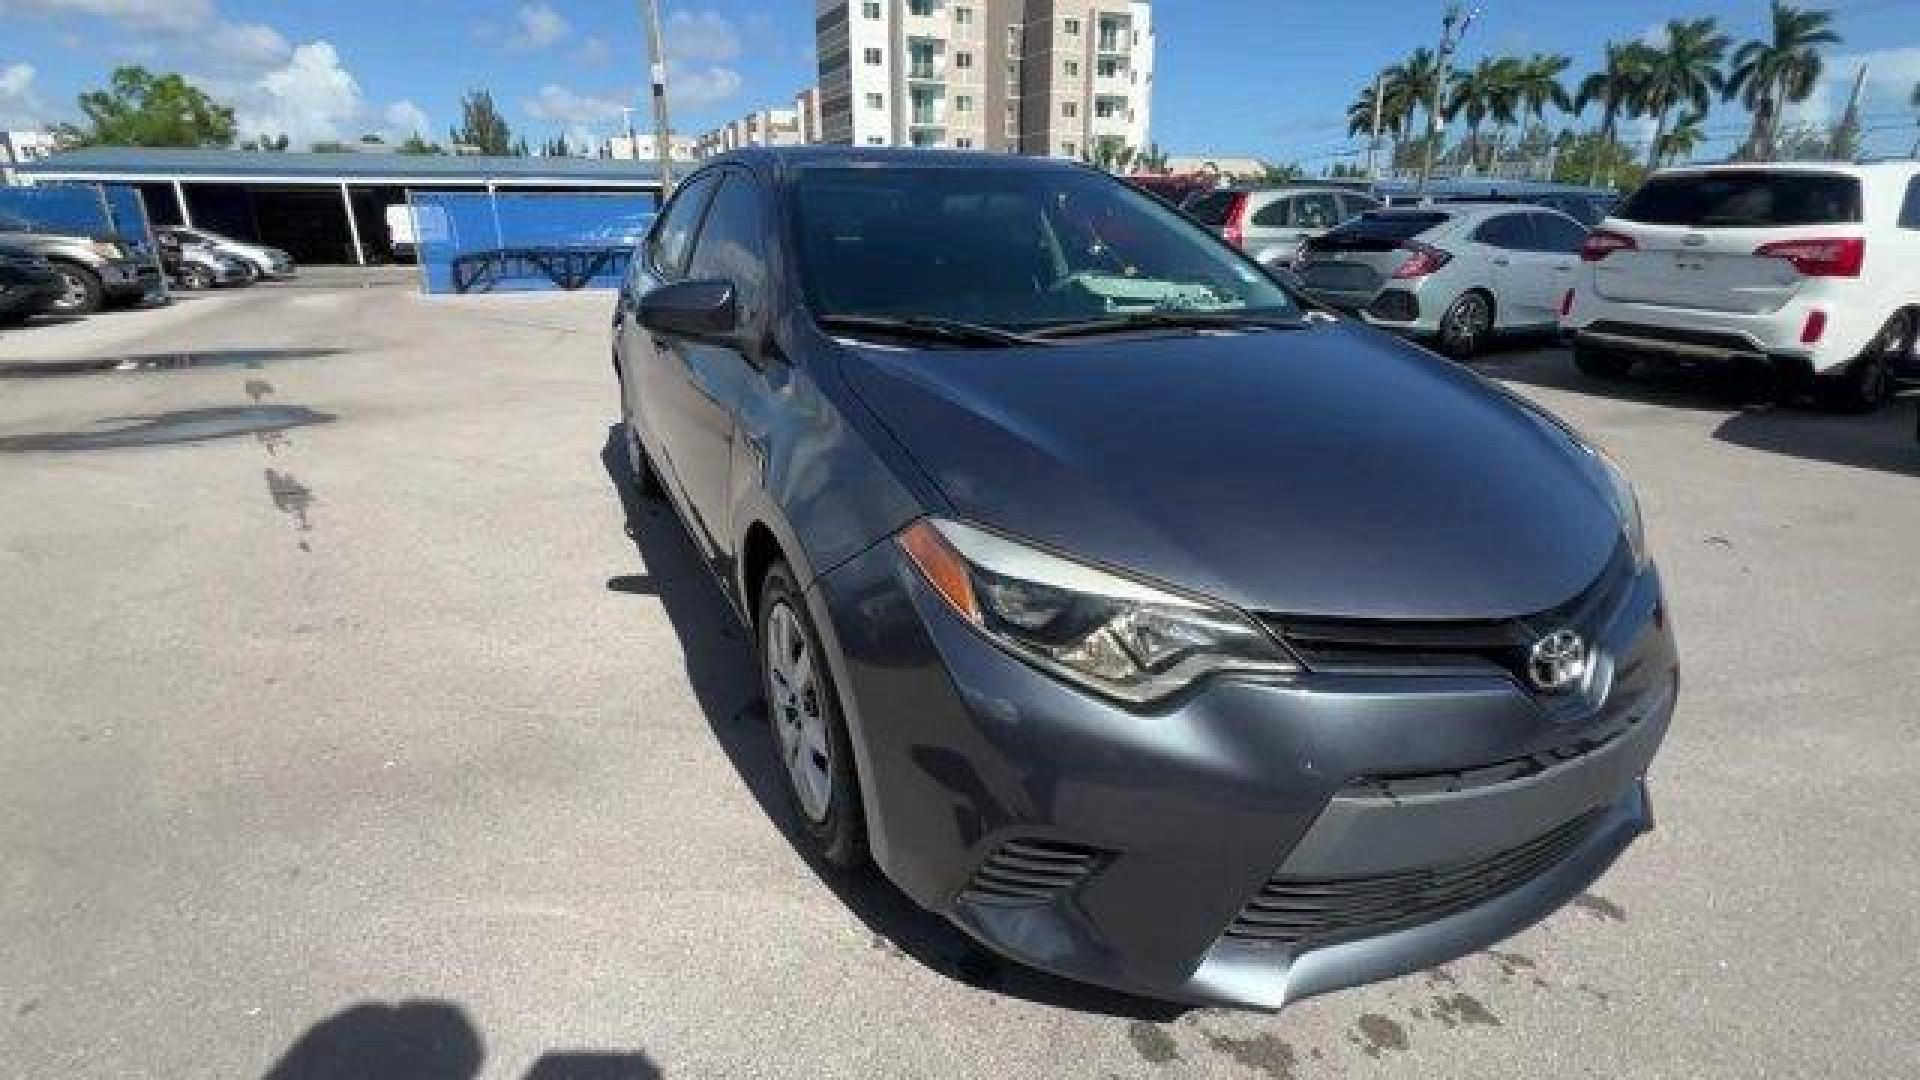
1895	167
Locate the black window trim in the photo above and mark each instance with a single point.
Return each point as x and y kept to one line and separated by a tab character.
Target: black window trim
1910	207
1529	242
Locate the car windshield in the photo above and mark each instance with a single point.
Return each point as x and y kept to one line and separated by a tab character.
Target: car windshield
1745	200
1014	248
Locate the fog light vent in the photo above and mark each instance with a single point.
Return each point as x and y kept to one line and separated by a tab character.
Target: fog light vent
1031	872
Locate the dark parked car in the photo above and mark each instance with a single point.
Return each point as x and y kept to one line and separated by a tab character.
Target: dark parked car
28	284
1150	628
94	270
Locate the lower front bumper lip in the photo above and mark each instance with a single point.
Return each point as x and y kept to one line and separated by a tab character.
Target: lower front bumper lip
1252	975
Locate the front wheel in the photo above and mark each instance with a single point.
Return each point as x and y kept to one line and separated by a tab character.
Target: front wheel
80	290
196	277
808	731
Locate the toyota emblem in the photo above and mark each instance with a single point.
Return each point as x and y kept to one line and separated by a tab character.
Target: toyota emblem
1558	661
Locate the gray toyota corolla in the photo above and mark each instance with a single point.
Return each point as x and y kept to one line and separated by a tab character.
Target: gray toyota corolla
1157	630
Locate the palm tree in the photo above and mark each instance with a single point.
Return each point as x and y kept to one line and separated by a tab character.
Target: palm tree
1478	94
1152	159
1914	100
1685	71
1415	75
1618	86
1766	74
1503	101
1540	84
1681	141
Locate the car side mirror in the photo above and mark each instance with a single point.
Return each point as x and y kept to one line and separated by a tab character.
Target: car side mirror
701	310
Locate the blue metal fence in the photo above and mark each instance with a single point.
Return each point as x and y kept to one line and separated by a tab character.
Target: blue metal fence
472	242
108	211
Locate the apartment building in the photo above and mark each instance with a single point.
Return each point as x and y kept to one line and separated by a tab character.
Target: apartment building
1017	76
641	147
793	126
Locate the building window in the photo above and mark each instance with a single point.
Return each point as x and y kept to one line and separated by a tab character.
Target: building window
1068	149
920	7
1069	109
1072	27
963	16
1013	81
1073	69
1103	108
875	101
963	143
963	59
870	9
1109	67
963	103
873	57
1013	42
875	140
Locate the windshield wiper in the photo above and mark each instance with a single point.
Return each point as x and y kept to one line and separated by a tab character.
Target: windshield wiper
929	328
1165	317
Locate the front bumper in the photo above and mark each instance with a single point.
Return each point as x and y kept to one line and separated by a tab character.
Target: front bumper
124	279
1169	824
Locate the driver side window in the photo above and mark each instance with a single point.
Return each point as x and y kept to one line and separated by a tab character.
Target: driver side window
672	239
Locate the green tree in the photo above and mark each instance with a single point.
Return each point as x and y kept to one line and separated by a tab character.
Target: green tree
1620	89
1487	91
1284	173
1766	74
1110	153
1681	141
482	127
414	144
1913	99
139	108
330	146
270	144
1598	160
1152	159
1686	71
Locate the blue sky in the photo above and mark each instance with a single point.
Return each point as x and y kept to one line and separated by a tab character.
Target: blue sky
1267	78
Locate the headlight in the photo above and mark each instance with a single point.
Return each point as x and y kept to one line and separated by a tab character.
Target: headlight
1626	504
107	249
1110	633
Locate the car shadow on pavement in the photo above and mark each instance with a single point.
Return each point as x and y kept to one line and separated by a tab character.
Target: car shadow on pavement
725	680
428	1040
1761	414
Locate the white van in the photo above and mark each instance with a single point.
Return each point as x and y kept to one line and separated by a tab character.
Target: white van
1810	268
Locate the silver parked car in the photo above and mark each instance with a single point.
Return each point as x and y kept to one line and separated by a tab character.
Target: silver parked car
1456	273
1271	223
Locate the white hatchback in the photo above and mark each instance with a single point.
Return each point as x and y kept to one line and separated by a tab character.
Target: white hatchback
1812	269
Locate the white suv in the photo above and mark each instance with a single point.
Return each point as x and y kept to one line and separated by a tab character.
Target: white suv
1811	268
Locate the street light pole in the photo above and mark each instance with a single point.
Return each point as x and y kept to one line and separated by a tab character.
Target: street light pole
1449	40
1373	144
657	66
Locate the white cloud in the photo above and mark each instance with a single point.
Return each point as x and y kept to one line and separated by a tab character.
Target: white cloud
404	119
698	88
175	15
539	26
701	36
20	104
558	104
247	45
311	98
593	52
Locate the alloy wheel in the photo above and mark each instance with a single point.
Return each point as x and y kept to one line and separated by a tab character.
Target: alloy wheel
73	292
799	716
1467	322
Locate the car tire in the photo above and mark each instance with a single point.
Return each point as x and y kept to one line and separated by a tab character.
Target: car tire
83	293
196	277
1867	383
1467	325
809	733
1600	364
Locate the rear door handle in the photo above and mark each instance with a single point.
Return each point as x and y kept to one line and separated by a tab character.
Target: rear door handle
1499	260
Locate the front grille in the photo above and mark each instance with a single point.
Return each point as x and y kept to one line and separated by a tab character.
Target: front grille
1321	911
1415	646
1031	871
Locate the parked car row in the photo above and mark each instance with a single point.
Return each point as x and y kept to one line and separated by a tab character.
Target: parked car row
75	274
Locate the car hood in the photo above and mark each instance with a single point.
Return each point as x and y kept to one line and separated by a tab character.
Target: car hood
1331	471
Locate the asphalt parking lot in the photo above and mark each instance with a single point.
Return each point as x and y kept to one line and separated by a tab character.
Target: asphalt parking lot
343	723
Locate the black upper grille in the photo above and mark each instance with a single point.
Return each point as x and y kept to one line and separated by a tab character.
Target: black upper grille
1382	646
1320	911
1031	871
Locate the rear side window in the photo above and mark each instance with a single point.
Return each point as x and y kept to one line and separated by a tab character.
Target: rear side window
1554	233
1353	205
673	239
1317	210
1212	208
1512	232
1745	200
1910	210
1277	214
